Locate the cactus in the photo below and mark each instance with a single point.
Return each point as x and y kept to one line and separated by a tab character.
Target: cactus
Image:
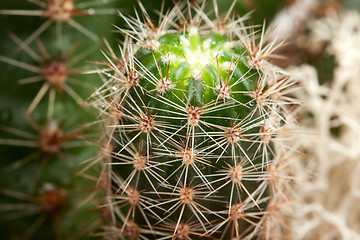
191	109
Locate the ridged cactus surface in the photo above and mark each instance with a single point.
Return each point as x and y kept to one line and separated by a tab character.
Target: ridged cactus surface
191	109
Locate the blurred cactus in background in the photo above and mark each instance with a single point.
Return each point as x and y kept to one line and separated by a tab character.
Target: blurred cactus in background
47	46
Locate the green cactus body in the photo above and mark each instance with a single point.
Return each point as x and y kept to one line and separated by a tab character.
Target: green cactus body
199	71
191	149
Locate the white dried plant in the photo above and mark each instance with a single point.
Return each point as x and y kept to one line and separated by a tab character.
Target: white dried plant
328	172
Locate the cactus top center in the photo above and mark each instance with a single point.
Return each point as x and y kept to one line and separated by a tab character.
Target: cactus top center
193	69
197	52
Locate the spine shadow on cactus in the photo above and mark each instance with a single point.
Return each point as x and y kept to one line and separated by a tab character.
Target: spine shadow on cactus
193	107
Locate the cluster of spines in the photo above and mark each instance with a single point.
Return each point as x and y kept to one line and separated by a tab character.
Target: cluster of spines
199	178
